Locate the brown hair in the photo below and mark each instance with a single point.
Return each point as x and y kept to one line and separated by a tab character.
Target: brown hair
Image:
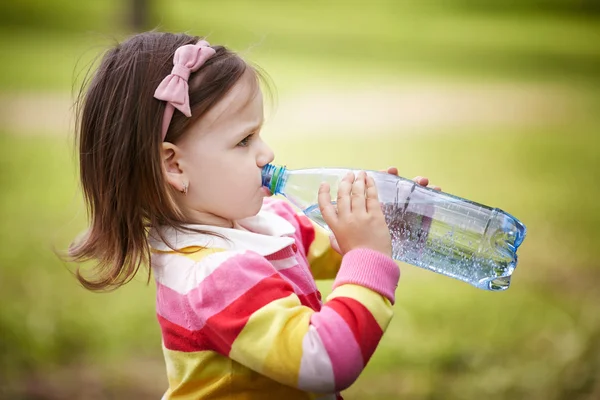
119	135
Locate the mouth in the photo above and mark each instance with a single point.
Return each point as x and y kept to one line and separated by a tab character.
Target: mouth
265	191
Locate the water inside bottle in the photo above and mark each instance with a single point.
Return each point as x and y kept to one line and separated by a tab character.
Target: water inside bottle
479	253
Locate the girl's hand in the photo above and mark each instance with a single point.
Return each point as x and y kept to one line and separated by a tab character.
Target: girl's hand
394	171
420	180
358	221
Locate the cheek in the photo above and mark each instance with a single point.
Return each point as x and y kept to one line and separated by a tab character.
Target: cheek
237	205
226	185
243	197
233	189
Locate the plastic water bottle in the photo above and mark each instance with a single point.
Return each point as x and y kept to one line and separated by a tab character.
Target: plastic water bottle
433	230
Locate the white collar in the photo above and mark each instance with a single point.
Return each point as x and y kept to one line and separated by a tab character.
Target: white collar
265	233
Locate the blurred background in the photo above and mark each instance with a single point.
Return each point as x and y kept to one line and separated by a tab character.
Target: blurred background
497	101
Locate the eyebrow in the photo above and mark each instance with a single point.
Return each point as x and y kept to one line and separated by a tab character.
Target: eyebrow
253	128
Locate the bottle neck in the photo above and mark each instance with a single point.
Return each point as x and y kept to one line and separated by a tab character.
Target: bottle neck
274	177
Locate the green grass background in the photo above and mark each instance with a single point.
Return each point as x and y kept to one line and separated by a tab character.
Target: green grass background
538	340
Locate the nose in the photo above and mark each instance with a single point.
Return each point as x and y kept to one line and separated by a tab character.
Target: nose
265	155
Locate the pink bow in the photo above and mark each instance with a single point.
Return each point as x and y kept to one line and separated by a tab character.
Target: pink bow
174	88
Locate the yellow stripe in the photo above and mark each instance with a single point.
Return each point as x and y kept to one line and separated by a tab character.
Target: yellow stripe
206	374
194	253
271	341
195	375
379	306
324	261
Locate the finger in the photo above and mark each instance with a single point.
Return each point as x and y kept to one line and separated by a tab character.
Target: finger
390	170
343	196
334	244
439	189
327	210
420	180
358	193
372	196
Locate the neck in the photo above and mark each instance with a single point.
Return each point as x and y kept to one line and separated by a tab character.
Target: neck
206	218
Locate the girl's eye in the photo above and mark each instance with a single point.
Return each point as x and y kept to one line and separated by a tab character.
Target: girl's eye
246	141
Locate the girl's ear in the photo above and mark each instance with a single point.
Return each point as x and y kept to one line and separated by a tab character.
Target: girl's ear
173	168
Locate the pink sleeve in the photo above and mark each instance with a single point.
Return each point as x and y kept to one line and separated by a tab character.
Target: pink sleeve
370	269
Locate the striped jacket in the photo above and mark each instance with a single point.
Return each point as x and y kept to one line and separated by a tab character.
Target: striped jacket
241	316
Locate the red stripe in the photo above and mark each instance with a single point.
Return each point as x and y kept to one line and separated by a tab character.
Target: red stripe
230	322
310	300
282	254
307	231
363	325
223	328
178	338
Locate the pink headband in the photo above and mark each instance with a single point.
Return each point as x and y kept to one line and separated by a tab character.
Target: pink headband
174	88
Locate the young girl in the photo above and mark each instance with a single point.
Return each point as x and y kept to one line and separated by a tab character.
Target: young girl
170	161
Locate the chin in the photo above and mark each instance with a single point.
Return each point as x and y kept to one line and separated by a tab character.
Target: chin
255	212
248	212
258	207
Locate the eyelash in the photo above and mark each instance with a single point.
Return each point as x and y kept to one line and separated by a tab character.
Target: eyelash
246	141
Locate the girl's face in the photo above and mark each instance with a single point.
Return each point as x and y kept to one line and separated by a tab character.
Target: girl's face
221	158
